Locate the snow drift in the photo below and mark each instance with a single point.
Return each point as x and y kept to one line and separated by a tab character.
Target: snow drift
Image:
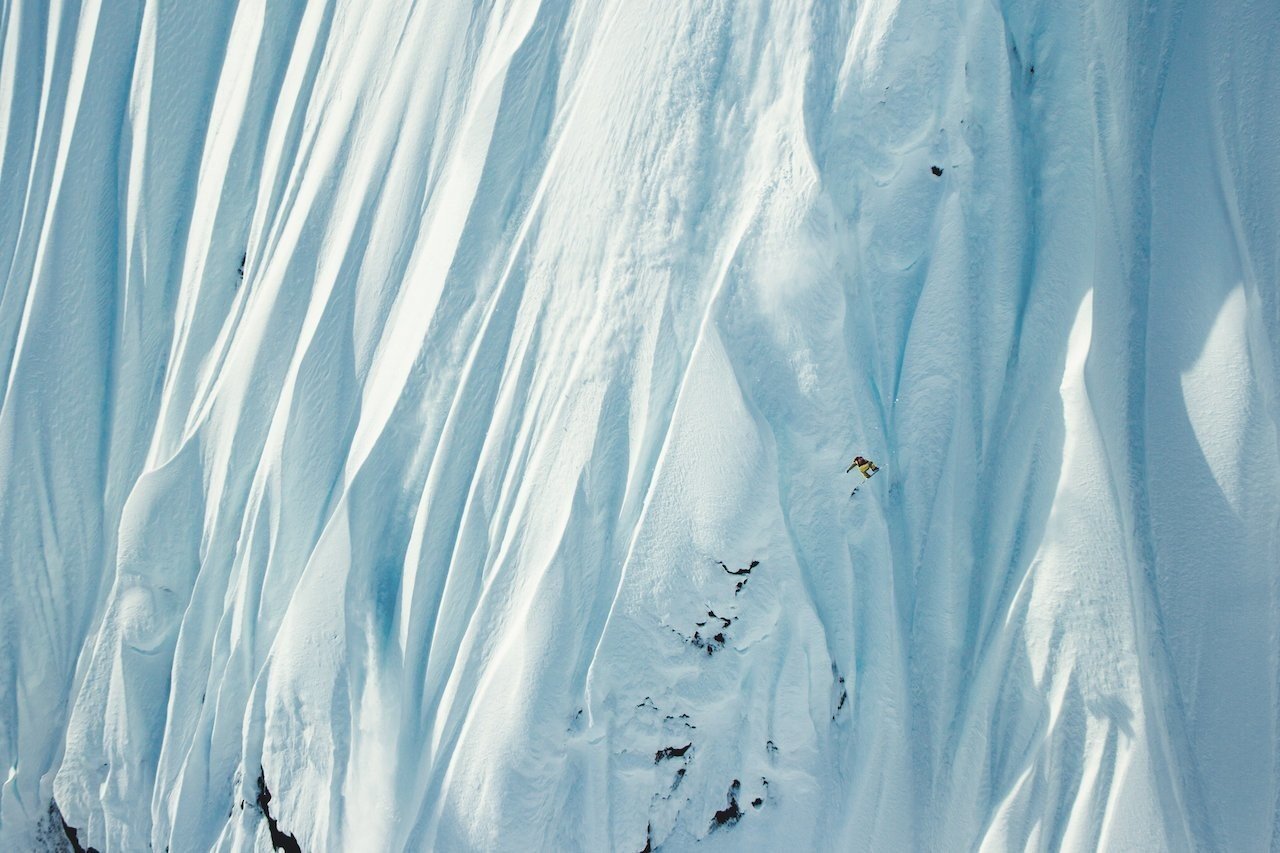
383	382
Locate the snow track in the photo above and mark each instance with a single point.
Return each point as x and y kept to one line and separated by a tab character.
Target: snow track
385	383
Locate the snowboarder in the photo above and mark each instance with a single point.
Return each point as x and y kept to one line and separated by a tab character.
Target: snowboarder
866	466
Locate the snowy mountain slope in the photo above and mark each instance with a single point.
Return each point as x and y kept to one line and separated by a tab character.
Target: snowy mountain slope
546	308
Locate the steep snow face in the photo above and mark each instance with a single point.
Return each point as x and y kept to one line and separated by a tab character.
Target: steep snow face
403	531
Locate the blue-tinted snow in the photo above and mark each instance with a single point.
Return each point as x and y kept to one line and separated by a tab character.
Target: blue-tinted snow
549	306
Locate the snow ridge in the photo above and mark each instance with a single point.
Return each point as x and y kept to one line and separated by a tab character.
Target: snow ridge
424	425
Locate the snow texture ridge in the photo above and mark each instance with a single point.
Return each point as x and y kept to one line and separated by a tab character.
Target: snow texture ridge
424	425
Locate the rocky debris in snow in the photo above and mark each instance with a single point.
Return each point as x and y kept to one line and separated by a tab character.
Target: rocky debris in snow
840	691
683	720
576	724
759	801
705	639
712	644
738	588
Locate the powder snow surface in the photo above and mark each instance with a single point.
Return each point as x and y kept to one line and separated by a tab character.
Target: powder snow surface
549	305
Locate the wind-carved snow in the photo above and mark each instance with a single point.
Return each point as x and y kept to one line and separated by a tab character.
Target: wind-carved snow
425	426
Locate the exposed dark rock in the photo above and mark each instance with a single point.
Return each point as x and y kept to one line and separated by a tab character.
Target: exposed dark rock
54	833
671	752
73	836
710	644
280	840
730	814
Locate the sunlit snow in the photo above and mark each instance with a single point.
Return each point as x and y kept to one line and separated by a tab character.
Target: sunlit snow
424	425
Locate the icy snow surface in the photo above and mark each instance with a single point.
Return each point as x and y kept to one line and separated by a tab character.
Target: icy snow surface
549	305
